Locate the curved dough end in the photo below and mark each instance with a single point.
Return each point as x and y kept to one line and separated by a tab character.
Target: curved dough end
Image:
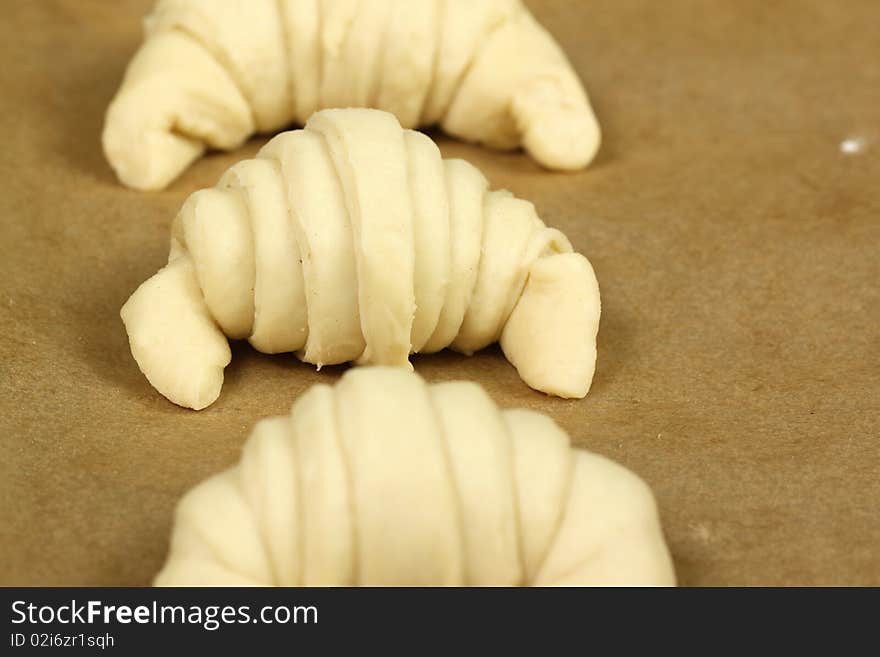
550	336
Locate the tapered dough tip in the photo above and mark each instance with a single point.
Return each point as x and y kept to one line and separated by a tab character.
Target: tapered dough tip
565	140
186	384
143	158
550	337
176	344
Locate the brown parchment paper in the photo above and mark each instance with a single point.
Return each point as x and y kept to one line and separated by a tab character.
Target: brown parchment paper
736	244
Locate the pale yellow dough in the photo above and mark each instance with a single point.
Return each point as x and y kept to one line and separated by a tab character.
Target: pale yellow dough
210	73
383	480
353	240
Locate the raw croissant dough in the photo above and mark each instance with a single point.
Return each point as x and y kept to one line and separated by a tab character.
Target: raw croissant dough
384	480
354	240
211	73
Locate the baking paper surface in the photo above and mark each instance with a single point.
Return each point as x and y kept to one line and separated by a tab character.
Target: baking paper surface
732	217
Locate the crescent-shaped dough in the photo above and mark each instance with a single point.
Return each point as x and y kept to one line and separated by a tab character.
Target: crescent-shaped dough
353	240
209	74
383	480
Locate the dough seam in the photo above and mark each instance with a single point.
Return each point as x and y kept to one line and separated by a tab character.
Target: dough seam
514	493
465	72
560	517
324	53
459	500
300	510
352	504
325	144
319	45
347	194
439	15
285	45
552	245
588	556
246	193
278	168
255	509
469	296
223	63
379	61
212	548
243	193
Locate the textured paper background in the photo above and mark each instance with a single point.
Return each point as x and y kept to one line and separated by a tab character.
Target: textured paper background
737	247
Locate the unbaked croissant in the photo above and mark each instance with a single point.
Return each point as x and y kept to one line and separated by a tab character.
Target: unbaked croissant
384	480
354	240
209	74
